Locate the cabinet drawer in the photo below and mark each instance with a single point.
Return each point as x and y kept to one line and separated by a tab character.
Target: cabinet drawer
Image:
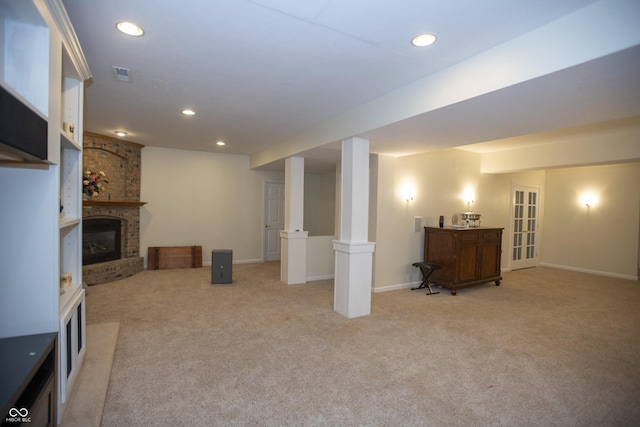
467	236
491	235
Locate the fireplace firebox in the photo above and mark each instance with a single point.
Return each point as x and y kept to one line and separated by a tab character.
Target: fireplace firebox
100	240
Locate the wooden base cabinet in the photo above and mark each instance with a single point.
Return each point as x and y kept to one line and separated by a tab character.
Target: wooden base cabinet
468	256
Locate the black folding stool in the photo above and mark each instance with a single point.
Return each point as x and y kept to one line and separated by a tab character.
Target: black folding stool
427	269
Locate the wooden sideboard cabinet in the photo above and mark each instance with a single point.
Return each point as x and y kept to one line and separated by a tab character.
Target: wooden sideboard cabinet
468	256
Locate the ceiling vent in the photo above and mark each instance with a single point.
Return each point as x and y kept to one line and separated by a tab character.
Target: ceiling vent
122	74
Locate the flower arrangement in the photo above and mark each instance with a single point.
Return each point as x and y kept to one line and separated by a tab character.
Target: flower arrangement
93	183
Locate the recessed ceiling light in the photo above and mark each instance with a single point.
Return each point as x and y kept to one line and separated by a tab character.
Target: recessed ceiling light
188	112
120	133
129	28
221	143
423	40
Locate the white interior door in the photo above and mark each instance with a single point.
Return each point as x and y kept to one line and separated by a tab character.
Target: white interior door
273	219
525	224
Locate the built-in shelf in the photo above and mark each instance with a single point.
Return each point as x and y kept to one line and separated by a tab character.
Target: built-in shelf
67	141
42	69
67	295
68	222
112	203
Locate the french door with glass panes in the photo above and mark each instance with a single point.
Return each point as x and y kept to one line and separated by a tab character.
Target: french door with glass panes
524	227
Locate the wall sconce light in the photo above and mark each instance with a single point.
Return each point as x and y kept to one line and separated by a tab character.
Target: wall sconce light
469	197
408	192
408	196
589	199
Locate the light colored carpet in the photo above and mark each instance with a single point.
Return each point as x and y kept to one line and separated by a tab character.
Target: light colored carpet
85	406
547	347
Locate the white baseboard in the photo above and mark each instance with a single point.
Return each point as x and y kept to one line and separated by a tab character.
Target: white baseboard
316	278
586	270
395	287
241	261
248	261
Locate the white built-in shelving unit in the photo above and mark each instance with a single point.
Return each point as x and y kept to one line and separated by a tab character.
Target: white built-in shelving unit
42	64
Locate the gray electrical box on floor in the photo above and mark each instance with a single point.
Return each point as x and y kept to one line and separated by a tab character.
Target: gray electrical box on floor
221	261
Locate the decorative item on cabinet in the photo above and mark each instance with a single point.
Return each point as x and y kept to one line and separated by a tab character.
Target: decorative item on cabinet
69	128
471	219
65	280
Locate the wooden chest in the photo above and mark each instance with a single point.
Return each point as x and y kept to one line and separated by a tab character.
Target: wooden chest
468	256
168	257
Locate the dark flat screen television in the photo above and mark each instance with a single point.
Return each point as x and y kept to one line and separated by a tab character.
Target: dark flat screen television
22	131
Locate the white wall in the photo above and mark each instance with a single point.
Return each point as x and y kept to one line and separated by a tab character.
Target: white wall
603	238
320	203
320	258
207	199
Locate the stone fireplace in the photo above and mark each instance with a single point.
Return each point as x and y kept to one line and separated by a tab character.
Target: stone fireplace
118	204
101	240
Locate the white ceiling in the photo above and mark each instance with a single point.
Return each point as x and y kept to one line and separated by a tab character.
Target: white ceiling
260	72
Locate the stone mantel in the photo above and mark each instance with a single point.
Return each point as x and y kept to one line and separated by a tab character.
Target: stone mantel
112	203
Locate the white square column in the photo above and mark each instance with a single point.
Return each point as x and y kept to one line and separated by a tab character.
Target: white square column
354	253
293	263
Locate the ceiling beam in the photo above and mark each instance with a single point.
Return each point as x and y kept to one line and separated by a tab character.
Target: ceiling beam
605	143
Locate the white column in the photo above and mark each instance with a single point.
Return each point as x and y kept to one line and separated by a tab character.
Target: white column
354	253
293	263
